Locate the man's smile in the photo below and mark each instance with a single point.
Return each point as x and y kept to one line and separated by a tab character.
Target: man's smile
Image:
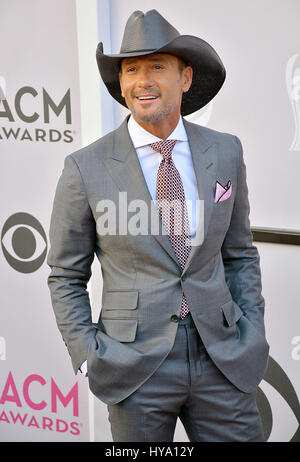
146	98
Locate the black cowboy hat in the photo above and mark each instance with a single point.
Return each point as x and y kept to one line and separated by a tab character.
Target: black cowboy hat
150	33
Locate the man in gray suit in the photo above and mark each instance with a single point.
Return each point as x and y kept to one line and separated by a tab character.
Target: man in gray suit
181	330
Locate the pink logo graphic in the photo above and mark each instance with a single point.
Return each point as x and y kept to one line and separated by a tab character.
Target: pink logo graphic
54	398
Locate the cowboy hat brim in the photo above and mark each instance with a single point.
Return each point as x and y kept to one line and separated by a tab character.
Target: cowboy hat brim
208	70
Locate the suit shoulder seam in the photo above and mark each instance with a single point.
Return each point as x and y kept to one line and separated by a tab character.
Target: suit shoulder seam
79	172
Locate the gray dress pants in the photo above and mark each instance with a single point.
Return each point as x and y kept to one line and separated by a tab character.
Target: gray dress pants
190	387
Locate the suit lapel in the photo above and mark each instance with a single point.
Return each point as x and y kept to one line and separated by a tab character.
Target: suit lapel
204	157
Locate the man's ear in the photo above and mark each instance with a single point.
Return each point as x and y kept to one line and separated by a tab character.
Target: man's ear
187	78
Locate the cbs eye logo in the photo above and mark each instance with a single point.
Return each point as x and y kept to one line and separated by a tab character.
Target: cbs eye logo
24	242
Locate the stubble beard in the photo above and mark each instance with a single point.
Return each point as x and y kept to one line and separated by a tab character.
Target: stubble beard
155	116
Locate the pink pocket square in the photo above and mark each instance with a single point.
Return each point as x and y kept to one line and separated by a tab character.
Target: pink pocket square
223	192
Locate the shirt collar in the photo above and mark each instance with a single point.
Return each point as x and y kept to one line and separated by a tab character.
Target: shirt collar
141	137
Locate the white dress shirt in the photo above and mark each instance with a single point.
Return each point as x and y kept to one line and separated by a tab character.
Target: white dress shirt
150	160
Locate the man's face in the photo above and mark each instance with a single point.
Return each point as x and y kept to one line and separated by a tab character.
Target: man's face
153	85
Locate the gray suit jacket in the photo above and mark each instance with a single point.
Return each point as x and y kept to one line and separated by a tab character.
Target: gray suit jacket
142	279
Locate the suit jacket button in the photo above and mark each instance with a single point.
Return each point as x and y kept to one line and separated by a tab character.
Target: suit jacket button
174	318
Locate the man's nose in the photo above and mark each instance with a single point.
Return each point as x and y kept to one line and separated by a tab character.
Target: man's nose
145	78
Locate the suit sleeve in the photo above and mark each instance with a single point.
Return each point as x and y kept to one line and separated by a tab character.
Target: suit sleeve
72	244
240	257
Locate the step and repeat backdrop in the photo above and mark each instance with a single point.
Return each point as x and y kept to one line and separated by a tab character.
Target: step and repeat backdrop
40	398
52	102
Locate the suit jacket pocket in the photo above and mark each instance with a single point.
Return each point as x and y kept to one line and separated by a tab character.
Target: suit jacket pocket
231	312
120	299
123	330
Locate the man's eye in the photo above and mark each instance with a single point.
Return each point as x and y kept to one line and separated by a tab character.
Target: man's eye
131	69
157	66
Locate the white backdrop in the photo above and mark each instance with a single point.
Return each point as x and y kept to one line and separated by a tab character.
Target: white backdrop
52	46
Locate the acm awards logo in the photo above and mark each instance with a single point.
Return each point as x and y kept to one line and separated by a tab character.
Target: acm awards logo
23	107
14	396
24	242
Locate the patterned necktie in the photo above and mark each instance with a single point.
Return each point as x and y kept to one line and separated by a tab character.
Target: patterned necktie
169	190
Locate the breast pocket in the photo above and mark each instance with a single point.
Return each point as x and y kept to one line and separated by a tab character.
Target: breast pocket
119	314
